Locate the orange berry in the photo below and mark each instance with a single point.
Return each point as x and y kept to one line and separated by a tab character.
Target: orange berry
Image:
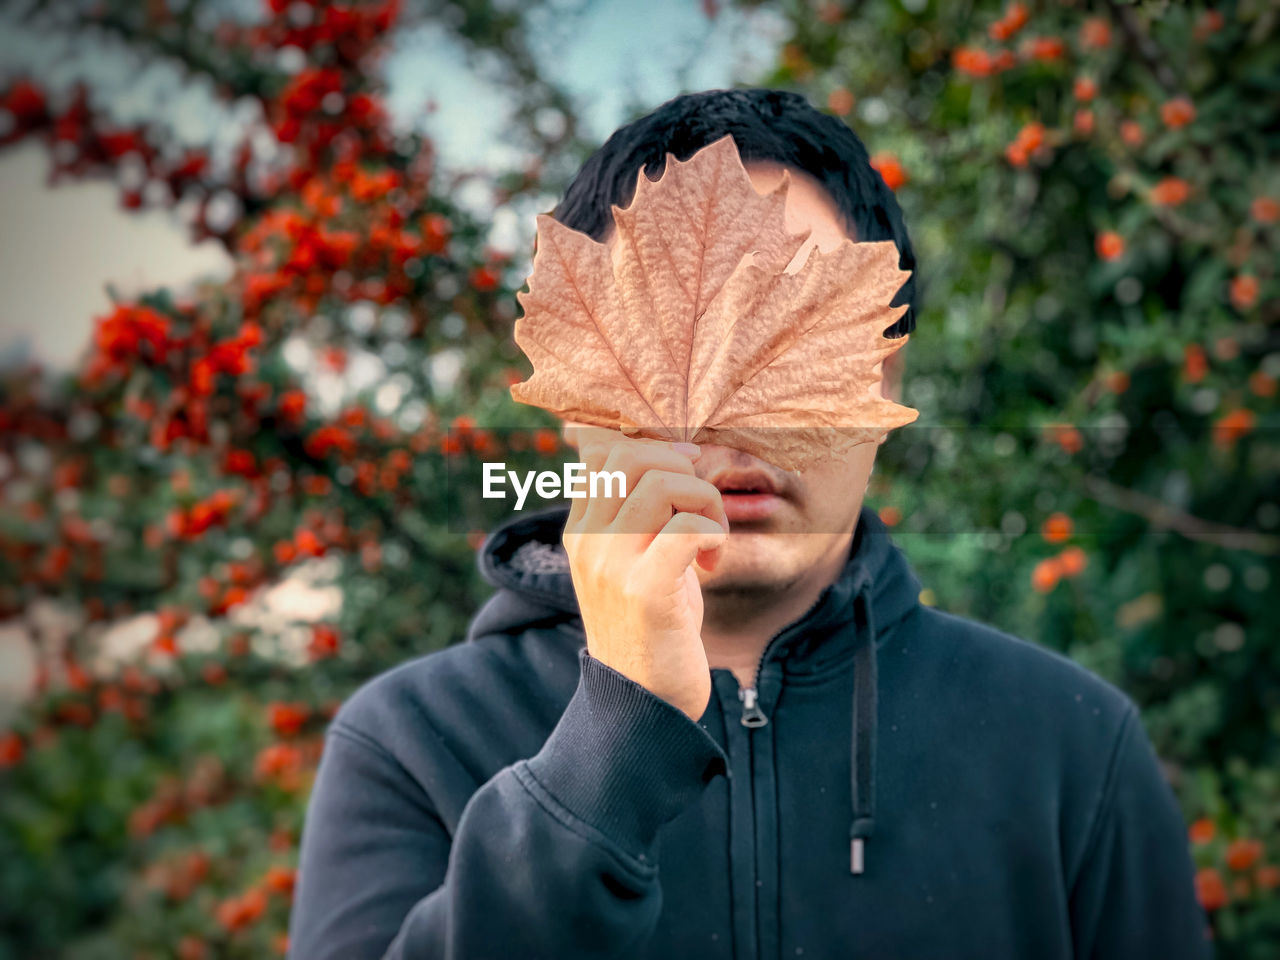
253	904
1014	19
306	542
77	677
1177	112
1072	561
888	166
1082	123
1195	363
1109	245
1117	381
1208	23
280	880
1095	34
1210	890
435	232
1067	437
1202	831
316	485
1267	877
1003	60
284	552
1170	192
1243	853
484	278
1046	49
165	643
840	101
1261	384
483	442
1056	527
1226	348
1265	209
1244	291
287	719
1045	575
546	442
1085	89
233	597
973	61
11	750
1131	132
890	516
1031	136
325	641
1231	426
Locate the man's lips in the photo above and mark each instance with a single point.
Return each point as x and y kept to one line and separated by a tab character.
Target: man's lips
748	494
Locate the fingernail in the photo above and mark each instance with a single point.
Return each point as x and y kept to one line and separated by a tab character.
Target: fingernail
688	449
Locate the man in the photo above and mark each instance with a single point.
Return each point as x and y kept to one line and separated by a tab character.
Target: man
713	720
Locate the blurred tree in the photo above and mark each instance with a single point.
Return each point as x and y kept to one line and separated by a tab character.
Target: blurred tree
209	447
1095	204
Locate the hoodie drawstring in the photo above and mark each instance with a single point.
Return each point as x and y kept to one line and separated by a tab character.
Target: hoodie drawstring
862	756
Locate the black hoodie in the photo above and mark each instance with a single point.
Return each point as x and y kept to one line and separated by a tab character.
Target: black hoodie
900	783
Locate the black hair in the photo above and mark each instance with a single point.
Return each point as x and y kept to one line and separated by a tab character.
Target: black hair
766	125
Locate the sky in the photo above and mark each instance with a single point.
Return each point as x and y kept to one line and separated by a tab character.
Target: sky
60	247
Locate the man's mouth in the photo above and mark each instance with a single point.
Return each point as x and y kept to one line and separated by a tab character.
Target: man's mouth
748	494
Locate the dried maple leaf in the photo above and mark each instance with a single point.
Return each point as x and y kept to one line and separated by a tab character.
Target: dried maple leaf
691	327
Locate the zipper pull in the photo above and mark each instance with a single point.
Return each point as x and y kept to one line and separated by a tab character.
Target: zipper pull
752	715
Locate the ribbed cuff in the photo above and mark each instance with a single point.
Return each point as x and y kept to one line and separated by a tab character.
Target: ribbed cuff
624	760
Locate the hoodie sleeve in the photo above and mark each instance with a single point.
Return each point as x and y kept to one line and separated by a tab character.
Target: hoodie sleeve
552	857
1134	895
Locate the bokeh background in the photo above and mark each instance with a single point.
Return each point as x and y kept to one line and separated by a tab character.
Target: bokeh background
259	272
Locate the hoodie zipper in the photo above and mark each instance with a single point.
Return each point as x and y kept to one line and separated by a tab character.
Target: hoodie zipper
759	931
752	715
753	817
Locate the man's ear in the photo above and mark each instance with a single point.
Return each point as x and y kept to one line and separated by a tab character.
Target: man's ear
891	374
891	379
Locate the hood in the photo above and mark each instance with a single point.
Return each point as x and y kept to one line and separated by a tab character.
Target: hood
524	559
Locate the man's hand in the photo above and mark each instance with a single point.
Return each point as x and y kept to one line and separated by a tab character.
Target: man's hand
632	563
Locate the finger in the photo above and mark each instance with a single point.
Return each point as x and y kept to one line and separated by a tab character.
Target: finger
596	450
593	445
685	537
620	472
649	506
578	435
575	434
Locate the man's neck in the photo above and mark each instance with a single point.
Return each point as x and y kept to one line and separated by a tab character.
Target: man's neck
738	625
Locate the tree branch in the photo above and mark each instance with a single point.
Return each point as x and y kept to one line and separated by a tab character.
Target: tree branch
1142	44
1168	517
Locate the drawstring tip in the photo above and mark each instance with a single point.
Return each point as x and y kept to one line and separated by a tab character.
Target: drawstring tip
856	855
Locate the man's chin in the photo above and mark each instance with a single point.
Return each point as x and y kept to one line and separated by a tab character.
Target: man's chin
751	560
